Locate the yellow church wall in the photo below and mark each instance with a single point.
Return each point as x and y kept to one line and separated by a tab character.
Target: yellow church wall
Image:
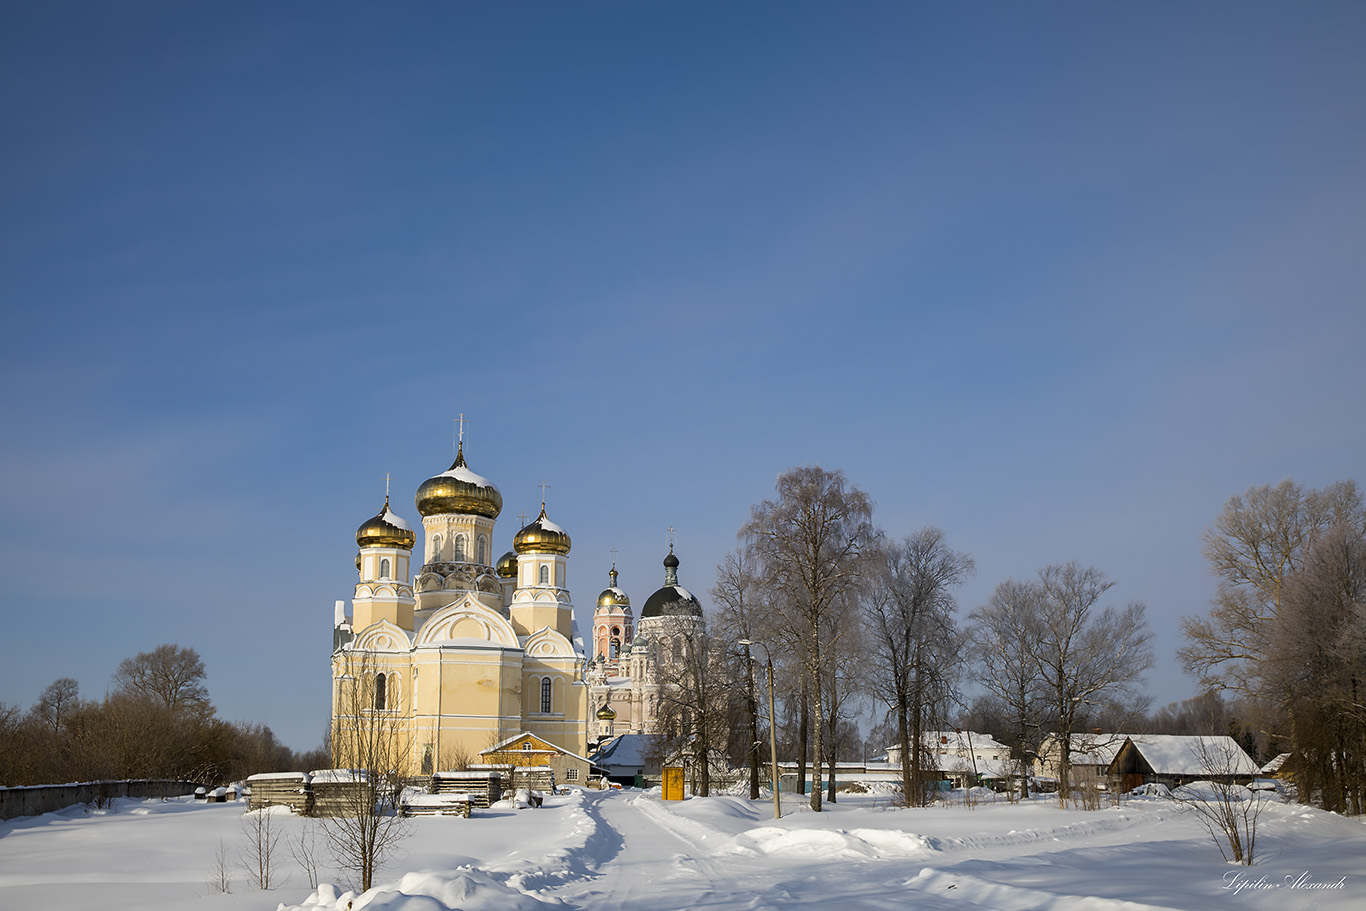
465	699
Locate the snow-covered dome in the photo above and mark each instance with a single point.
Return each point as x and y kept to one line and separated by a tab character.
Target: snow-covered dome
541	536
385	530
459	490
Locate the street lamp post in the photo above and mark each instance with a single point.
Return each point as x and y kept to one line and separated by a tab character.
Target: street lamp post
772	730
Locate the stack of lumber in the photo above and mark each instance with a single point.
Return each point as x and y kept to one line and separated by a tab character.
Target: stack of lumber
437	805
484	788
281	789
339	792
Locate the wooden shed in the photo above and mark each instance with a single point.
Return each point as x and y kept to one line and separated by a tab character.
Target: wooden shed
1174	760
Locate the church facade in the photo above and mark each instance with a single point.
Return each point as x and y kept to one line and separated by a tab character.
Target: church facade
463	652
624	674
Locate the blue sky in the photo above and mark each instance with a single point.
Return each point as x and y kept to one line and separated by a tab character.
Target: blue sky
1059	278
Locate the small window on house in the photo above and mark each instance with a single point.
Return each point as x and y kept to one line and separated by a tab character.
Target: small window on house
545	574
545	697
379	692
571	774
483	549
527	746
384	569
459	549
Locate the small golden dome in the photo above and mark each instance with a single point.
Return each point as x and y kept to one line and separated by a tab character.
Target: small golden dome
611	595
606	713
385	530
541	536
459	490
507	565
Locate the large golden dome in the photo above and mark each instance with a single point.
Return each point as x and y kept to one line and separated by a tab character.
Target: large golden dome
459	490
385	530
541	536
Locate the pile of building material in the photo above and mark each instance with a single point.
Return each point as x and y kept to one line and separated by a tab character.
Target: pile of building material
339	792
437	805
483	788
534	778
281	789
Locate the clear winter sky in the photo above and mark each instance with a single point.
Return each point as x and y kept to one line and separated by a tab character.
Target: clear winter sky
1060	278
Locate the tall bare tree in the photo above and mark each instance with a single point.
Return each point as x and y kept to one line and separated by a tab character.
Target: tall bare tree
811	546
697	690
739	616
1004	634
1316	669
1089	658
913	641
1257	539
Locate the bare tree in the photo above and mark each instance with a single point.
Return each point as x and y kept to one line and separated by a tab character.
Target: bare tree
696	704
56	703
1004	634
1088	658
260	838
739	614
169	675
910	611
1228	810
1256	540
368	742
811	546
1315	667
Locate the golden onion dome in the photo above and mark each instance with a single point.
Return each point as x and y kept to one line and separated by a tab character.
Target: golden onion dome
611	595
606	713
459	490
541	536
385	530
507	565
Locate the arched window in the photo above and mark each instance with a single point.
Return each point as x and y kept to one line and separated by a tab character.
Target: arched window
384	568
379	692
436	548
616	648
459	549
545	696
545	574
483	549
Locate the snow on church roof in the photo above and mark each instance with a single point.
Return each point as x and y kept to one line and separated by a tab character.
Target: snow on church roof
463	473
393	519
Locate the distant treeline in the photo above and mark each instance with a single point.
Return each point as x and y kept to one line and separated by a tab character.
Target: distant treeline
156	722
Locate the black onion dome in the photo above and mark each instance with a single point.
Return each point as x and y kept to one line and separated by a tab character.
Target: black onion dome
671	601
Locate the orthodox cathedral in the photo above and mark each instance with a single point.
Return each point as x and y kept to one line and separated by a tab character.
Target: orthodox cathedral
471	653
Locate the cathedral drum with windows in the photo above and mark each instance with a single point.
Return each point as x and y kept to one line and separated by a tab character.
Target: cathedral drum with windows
471	652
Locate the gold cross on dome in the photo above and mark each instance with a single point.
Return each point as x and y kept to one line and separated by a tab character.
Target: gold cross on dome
545	485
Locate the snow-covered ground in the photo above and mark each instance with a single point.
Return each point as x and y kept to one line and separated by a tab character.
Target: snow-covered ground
629	850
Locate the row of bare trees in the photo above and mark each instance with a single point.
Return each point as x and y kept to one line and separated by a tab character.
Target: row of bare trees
1286	634
155	721
844	613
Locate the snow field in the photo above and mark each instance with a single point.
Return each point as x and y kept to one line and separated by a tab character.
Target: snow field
630	851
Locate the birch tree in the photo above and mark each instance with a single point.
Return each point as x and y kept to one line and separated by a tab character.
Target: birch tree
811	545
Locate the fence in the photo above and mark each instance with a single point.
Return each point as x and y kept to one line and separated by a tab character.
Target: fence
33	801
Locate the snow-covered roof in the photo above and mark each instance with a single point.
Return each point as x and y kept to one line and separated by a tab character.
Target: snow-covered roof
1180	754
392	518
337	776
624	750
1274	766
278	776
